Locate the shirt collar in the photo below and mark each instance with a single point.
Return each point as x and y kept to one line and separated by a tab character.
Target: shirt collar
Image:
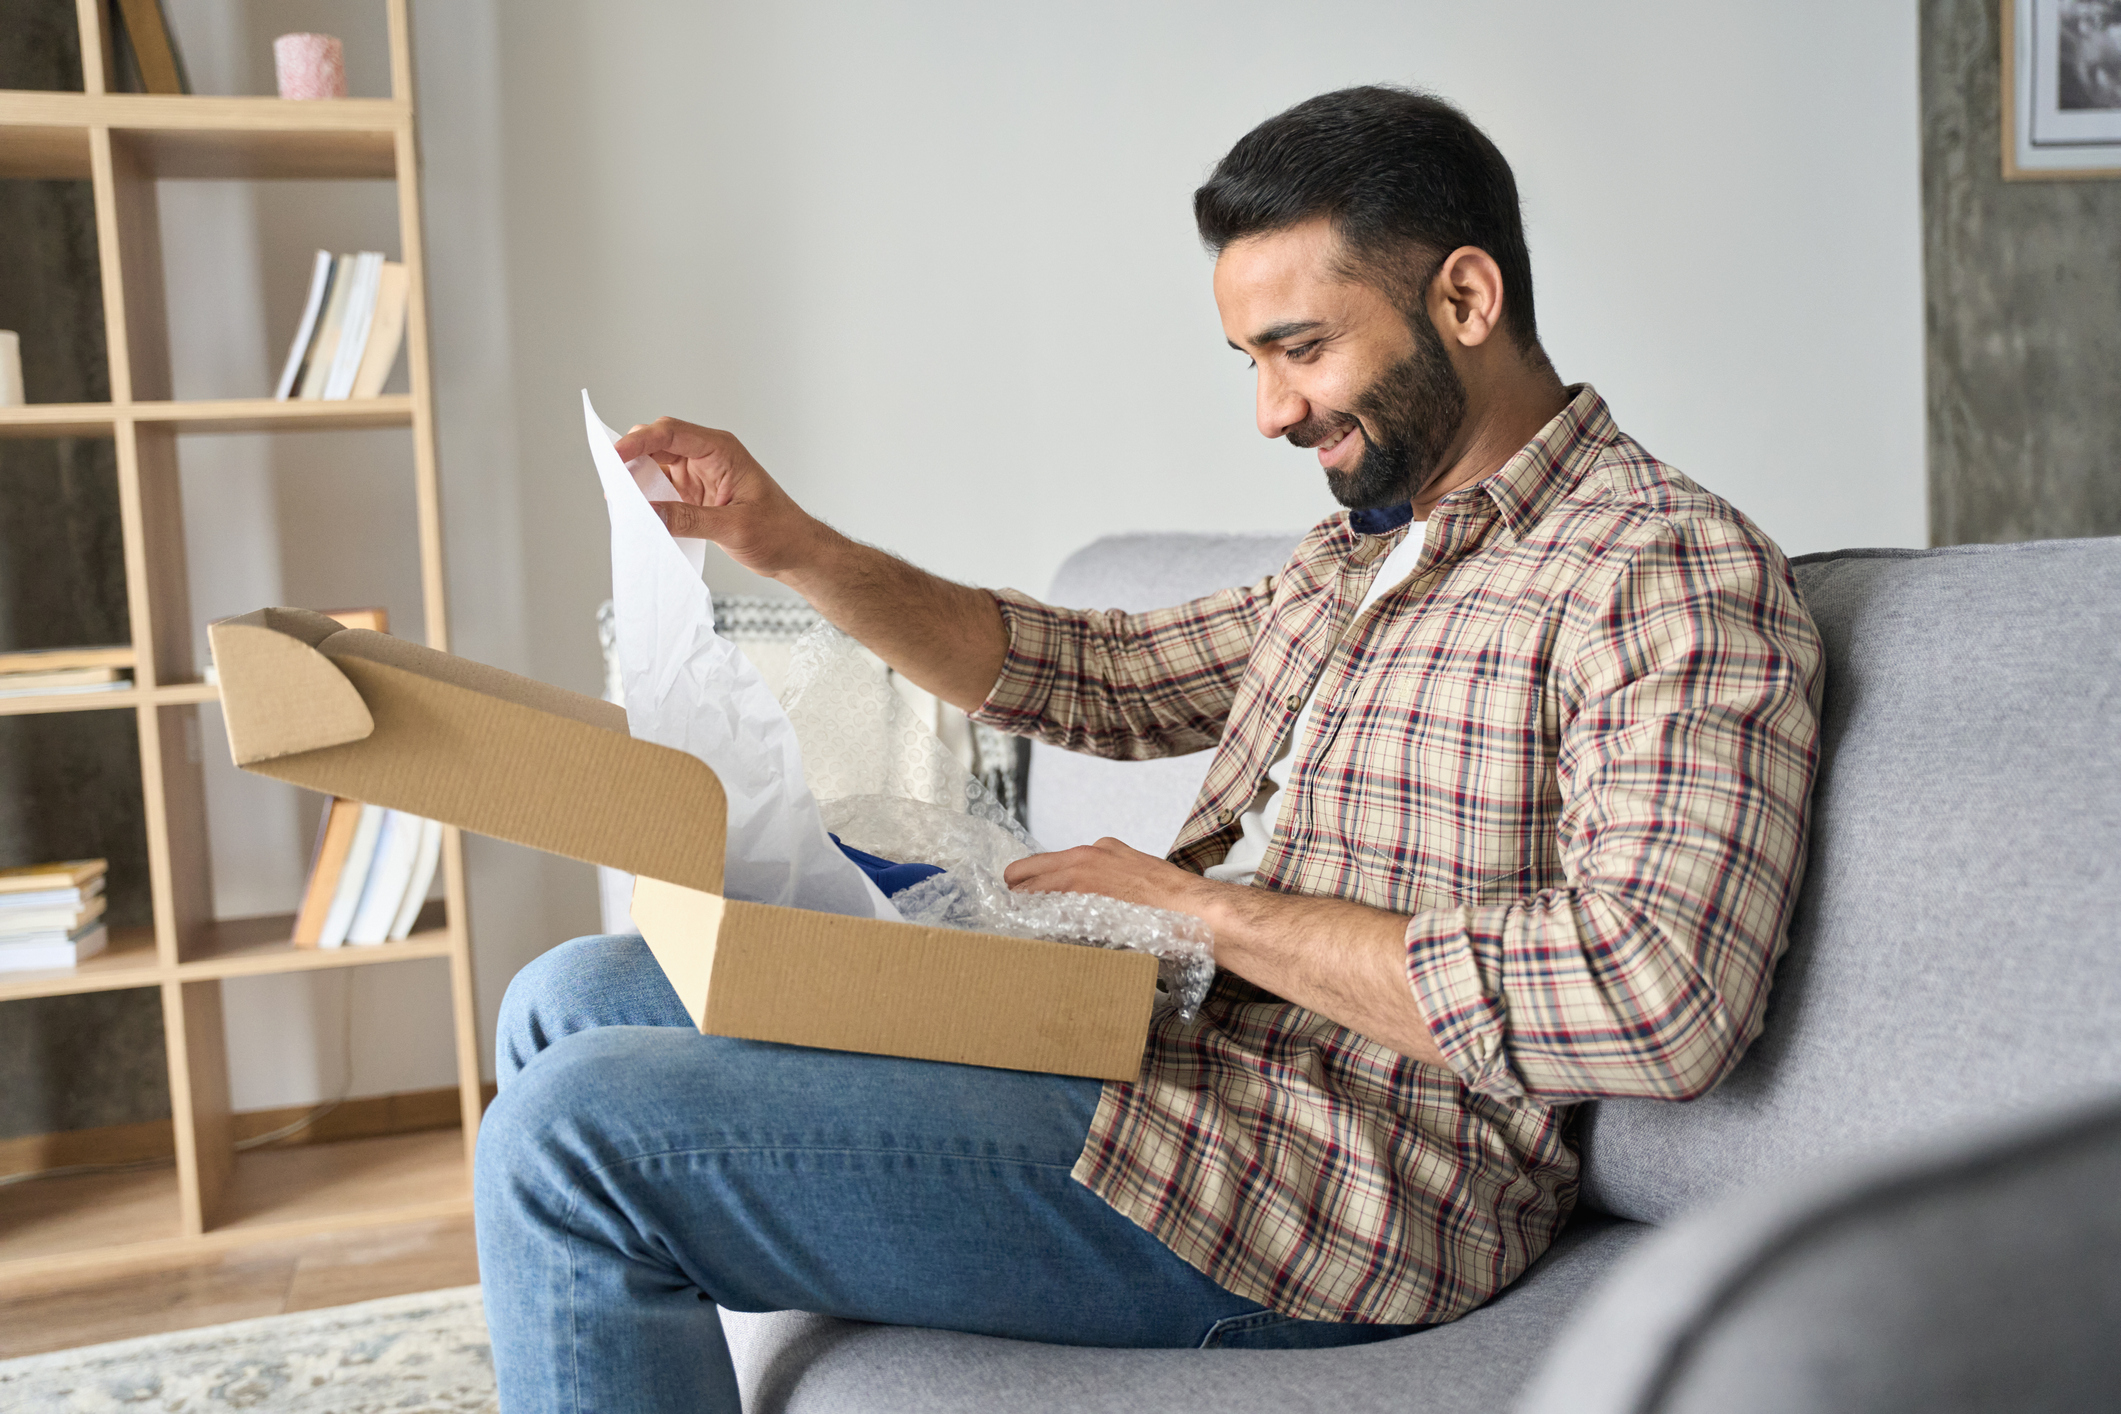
1528	485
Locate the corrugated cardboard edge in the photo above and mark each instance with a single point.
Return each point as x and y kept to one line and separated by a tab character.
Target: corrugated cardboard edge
898	989
295	700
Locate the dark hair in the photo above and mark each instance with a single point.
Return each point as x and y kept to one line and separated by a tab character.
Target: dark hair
1405	179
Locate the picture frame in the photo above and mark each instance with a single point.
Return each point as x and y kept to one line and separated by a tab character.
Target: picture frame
2061	89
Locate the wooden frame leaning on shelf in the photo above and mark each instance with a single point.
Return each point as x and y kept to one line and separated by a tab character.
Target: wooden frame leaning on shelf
125	145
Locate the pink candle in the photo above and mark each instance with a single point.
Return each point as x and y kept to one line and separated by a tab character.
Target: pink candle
309	66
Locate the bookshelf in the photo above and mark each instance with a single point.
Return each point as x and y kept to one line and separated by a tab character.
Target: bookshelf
124	145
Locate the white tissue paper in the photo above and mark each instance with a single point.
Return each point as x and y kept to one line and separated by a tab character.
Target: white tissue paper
690	689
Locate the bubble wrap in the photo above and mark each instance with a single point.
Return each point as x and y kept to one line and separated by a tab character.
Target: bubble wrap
888	785
970	893
902	829
977	899
859	736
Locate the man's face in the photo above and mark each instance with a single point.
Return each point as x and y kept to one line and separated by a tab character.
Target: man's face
1339	367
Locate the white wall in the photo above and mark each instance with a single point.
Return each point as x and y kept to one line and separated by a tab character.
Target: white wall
935	263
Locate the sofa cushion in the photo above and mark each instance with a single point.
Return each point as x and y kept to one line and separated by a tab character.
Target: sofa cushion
1075	799
792	1363
1953	954
1980	1278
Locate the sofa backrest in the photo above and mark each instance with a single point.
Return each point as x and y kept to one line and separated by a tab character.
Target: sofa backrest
1078	799
1956	951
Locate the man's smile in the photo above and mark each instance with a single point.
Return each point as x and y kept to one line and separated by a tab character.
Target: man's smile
1332	454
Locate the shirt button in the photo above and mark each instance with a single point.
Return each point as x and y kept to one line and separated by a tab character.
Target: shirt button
1293	701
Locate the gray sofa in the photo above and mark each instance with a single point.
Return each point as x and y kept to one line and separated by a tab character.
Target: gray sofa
1908	1195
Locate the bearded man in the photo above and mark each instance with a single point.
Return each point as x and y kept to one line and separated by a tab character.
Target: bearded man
1507	811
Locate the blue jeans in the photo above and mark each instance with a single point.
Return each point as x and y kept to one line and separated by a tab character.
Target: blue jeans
634	1175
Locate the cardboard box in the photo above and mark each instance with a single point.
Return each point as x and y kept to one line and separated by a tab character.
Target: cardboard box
377	719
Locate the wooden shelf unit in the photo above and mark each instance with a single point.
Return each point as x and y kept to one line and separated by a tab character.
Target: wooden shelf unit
124	145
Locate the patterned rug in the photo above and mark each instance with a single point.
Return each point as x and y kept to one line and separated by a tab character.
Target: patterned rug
420	1354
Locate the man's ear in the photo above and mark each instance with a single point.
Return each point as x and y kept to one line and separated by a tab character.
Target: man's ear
1466	297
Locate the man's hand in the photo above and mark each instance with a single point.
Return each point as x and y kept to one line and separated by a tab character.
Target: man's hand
1111	868
1342	960
948	638
728	497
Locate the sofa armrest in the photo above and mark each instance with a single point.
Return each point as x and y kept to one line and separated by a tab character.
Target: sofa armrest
1982	1275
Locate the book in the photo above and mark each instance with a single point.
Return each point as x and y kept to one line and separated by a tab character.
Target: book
46	660
306	331
59	677
324	345
64	951
353	331
67	874
353	879
327	862
389	874
73	896
147	52
387	334
57	920
49	691
423	877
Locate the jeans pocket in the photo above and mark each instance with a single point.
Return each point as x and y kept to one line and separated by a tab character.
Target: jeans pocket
1270	1330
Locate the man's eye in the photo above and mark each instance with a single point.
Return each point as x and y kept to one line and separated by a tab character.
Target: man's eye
1301	352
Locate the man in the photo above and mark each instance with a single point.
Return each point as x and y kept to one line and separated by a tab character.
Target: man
1507	811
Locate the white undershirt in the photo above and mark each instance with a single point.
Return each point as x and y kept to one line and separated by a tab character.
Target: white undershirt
1257	822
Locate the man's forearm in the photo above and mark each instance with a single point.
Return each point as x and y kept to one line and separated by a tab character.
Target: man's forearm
947	638
1343	960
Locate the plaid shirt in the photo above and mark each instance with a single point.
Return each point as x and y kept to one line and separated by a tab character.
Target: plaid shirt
1576	747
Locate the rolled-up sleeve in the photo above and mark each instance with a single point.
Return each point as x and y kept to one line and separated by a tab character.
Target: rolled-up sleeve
1124	685
1688	744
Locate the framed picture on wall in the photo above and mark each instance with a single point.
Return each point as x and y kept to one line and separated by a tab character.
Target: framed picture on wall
2061	89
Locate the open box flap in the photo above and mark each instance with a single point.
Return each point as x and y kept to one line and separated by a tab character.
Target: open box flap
295	700
377	719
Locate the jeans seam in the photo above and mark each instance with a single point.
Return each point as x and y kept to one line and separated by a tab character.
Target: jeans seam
574	1324
1252	1320
574	1201
735	1149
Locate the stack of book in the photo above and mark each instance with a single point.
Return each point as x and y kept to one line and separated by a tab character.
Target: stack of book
368	877
51	915
54	670
351	328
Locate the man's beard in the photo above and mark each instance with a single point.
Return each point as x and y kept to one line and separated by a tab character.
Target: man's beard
1417	406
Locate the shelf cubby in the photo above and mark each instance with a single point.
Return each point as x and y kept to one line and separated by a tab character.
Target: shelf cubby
305	1188
62	1221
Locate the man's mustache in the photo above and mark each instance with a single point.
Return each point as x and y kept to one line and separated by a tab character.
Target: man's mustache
1318	431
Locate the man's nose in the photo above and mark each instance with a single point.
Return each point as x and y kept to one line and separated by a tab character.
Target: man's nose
1281	407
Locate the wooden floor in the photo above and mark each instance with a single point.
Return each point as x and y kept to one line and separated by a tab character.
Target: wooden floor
295	1274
